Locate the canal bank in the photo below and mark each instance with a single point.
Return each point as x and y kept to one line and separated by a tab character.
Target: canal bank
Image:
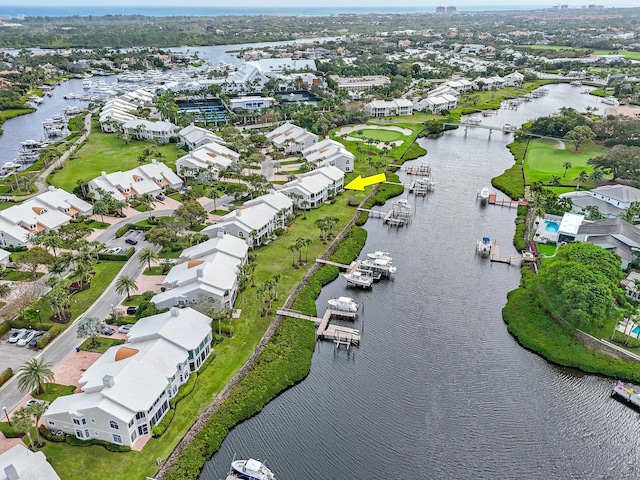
439	387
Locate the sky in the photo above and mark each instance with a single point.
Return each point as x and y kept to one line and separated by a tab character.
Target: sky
310	3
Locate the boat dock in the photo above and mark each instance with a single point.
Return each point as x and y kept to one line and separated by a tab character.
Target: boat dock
398	216
352	267
340	335
420	188
506	203
626	391
494	256
422	170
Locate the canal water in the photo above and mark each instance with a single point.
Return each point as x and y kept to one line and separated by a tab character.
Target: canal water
439	389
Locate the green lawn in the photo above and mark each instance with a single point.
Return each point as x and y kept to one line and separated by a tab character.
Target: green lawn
53	391
544	159
105	152
378	135
627	55
101	345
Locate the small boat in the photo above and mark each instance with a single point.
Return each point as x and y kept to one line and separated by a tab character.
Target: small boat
379	265
425	182
344	304
610	101
483	247
508	127
383	255
576	83
358	279
484	194
251	470
86	84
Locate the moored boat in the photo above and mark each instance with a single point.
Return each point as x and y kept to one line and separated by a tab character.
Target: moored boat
378	265
251	470
343	304
383	255
483	247
484	194
358	279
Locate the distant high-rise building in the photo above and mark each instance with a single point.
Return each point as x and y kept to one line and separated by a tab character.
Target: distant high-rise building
440	10
451	10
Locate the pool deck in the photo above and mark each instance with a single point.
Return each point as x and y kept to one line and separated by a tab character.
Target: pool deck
542	232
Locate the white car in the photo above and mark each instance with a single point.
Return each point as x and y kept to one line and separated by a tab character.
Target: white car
124	328
26	338
15	336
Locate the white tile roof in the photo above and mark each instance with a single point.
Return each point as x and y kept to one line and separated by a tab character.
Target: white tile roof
28	465
184	327
228	244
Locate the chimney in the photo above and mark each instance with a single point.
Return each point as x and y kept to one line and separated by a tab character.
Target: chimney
103	174
52	188
11	472
175	311
272	191
220	234
108	381
238	212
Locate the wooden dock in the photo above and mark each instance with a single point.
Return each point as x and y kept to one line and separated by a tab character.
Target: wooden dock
325	331
418	188
627	392
394	217
422	170
494	256
506	203
352	267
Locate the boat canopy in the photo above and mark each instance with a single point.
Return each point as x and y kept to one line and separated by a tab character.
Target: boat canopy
486	239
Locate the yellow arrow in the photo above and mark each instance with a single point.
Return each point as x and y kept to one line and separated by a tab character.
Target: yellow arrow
359	183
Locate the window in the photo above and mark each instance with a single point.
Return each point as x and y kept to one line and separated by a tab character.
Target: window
51	423
96	433
130	423
117	439
80	421
140	415
114	425
93	420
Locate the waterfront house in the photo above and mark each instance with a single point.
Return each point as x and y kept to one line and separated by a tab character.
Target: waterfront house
250	102
611	200
257	220
148	130
329	153
292	138
631	285
45	212
20	463
227	244
152	178
127	390
388	108
212	157
613	234
193	137
360	84
315	187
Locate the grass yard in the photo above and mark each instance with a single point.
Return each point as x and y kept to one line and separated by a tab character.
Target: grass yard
53	391
627	55
544	159
379	135
101	345
105	152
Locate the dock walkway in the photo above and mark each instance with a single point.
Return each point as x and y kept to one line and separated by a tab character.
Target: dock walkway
325	331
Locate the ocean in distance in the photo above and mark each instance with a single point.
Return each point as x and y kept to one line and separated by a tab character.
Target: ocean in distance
171	11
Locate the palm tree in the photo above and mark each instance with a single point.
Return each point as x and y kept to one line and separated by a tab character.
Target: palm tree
126	284
34	374
321	223
214	193
582	178
306	243
53	240
23	423
147	200
100	207
555	181
147	255
596	175
566	166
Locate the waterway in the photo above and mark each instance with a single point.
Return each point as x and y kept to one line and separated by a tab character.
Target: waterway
439	389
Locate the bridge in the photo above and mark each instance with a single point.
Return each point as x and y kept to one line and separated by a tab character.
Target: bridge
505	129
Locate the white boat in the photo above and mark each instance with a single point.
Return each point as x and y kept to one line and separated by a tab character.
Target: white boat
483	247
251	470
610	101
86	84
383	255
358	279
425	182
343	304
507	127
379	265
484	194
576	83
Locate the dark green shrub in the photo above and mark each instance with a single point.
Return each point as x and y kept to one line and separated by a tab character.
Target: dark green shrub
4	327
159	428
184	390
47	435
5	375
52	333
117	257
76	442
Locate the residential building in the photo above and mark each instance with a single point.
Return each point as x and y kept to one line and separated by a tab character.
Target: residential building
209	270
329	152
388	108
127	390
292	138
315	187
613	234
611	200
631	285
360	84
20	463
152	178
436	103
212	157
147	130
45	212
193	137
250	102
257	220
514	79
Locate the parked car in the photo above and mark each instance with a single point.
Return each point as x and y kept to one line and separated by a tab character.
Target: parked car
108	331
125	328
26	338
131	241
228	204
16	335
34	341
31	402
160	197
132	310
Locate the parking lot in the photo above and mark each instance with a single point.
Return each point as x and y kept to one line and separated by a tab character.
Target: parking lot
13	356
125	242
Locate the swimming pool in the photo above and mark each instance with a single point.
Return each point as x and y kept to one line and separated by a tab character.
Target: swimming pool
551	227
636	330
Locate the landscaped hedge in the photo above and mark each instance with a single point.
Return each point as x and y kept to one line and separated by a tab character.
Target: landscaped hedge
52	333
112	447
159	428
4	327
5	375
125	228
47	435
185	389
118	257
285	360
521	226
